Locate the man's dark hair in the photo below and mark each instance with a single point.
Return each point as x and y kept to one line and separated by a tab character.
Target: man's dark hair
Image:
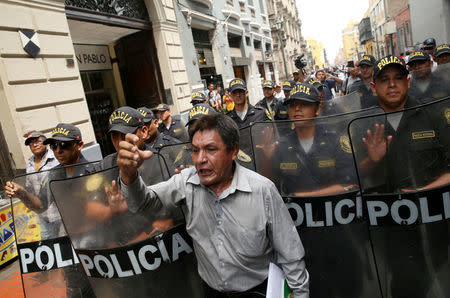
224	125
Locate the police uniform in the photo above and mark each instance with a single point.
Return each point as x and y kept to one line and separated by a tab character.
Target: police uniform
368	98
329	161
176	129
160	141
77	283
418	153
436	88
254	114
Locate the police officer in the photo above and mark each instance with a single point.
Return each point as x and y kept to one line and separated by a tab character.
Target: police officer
368	98
417	139
316	83
269	103
198	98
66	143
298	75
122	121
429	46
308	160
287	87
171	126
442	54
425	85
244	114
154	140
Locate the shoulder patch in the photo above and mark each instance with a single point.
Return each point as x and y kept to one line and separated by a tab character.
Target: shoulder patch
345	144
177	130
268	114
243	157
447	115
179	155
327	163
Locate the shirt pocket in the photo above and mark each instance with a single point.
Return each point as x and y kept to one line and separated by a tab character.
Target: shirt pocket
251	243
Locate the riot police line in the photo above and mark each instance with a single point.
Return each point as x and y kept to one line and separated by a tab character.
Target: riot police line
347	250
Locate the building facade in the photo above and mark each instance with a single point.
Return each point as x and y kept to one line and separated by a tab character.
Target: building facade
378	20
226	40
88	60
350	42
317	53
287	35
434	23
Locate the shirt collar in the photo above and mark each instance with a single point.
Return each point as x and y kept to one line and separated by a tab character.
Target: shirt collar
239	182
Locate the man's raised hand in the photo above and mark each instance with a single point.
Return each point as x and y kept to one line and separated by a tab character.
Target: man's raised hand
130	158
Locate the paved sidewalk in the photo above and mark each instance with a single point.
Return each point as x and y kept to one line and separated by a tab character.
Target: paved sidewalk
10	282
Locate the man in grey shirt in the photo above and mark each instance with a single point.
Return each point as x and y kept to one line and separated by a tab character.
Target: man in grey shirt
236	217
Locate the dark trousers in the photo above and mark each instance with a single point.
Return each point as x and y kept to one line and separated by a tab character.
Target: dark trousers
255	292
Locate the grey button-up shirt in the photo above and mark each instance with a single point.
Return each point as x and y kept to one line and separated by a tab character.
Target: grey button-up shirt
235	235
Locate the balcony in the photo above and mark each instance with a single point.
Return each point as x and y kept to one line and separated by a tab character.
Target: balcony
365	32
207	3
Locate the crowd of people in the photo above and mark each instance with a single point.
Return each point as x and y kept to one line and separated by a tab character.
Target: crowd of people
235	216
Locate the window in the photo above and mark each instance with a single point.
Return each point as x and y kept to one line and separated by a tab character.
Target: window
252	12
234	41
242	5
261	6
247	40
230	2
257	44
408	40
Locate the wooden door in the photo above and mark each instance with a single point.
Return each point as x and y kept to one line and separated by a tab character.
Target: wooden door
139	70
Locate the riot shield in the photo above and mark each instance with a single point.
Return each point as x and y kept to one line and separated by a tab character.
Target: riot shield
48	263
429	84
317	179
173	156
403	167
122	252
342	104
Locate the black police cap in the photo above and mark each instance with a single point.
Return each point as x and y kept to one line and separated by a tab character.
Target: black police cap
418	56
64	132
305	92
389	60
125	120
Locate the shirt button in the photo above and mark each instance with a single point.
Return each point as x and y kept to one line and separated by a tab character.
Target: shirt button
219	222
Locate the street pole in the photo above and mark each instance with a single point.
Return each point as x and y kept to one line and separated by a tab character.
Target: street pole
278	24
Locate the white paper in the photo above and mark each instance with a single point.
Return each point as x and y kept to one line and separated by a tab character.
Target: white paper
275	282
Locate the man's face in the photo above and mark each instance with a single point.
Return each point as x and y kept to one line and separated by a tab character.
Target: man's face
391	87
210	87
116	138
354	71
278	89
37	147
163	115
300	109
296	76
211	158
366	71
420	69
153	128
320	75
238	96
443	59
268	92
66	152
286	94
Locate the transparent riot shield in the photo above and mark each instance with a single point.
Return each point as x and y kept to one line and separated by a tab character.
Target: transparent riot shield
428	84
174	156
403	167
122	252
49	266
311	163
342	104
